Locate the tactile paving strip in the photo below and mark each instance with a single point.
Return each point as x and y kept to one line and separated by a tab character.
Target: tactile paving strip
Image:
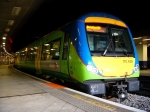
72	100
77	102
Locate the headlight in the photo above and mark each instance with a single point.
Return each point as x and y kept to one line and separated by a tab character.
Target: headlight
136	68
92	69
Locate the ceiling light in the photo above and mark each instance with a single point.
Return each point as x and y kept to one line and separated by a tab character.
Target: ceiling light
16	10
46	44
137	38
7	0
4	38
3	43
4	35
145	39
10	22
7	29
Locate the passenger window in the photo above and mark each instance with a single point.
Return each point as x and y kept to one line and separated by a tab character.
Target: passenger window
55	50
51	50
31	54
22	56
45	51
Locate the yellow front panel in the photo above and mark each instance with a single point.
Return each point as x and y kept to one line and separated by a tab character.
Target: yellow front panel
114	66
104	20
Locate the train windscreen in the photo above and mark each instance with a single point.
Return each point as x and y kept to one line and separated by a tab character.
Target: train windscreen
109	40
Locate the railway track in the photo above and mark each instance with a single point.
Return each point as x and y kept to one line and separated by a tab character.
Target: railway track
139	99
145	83
144	86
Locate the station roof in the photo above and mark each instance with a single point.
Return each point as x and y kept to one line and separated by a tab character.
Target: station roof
15	13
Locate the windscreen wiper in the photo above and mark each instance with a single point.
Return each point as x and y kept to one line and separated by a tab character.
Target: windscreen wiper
124	52
110	41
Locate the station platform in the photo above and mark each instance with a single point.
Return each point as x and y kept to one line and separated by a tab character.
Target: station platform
145	72
21	92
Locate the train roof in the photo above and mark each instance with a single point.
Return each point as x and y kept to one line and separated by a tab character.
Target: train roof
92	14
98	14
82	18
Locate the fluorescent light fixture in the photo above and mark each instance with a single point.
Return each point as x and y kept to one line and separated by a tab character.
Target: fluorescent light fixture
35	47
137	38
4	38
145	39
7	0
10	22
4	35
46	44
7	29
3	43
31	48
16	10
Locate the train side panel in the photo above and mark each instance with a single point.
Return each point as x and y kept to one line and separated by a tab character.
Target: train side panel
52	60
26	58
49	61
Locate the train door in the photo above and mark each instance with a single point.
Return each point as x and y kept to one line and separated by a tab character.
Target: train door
65	57
37	59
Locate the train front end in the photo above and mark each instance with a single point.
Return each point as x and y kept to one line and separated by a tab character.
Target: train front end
111	56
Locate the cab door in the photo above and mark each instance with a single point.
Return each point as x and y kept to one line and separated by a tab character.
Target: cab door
65	57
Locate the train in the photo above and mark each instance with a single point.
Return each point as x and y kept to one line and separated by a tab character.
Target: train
96	51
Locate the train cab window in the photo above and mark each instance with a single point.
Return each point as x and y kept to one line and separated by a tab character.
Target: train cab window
109	40
97	42
121	40
98	37
65	46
